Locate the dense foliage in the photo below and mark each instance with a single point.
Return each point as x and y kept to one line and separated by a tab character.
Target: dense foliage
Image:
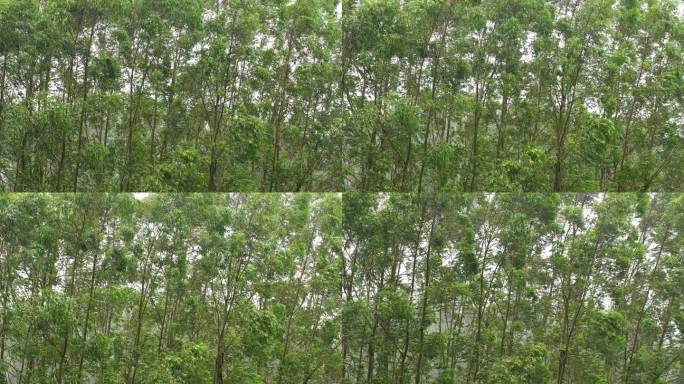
350	288
336	95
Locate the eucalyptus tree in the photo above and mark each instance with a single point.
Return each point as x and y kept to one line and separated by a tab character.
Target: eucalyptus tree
352	288
457	289
332	95
510	95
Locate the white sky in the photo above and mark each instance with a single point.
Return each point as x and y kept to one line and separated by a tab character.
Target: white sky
140	195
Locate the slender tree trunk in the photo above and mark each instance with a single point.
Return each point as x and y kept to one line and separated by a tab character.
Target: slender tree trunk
84	107
62	357
475	137
508	309
138	332
152	137
416	249
133	101
3	77
7	281
220	356
371	341
426	286
500	142
91	294
221	347
163	325
279	115
630	356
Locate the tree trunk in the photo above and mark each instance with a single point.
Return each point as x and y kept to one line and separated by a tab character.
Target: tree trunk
426	286
84	107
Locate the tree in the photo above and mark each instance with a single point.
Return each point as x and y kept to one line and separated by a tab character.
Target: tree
341	95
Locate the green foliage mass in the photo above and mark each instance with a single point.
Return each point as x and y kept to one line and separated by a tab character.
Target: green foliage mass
341	95
349	288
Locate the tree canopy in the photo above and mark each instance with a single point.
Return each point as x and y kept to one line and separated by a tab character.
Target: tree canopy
342	288
341	95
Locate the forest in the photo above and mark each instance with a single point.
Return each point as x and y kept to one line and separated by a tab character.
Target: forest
345	288
341	95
